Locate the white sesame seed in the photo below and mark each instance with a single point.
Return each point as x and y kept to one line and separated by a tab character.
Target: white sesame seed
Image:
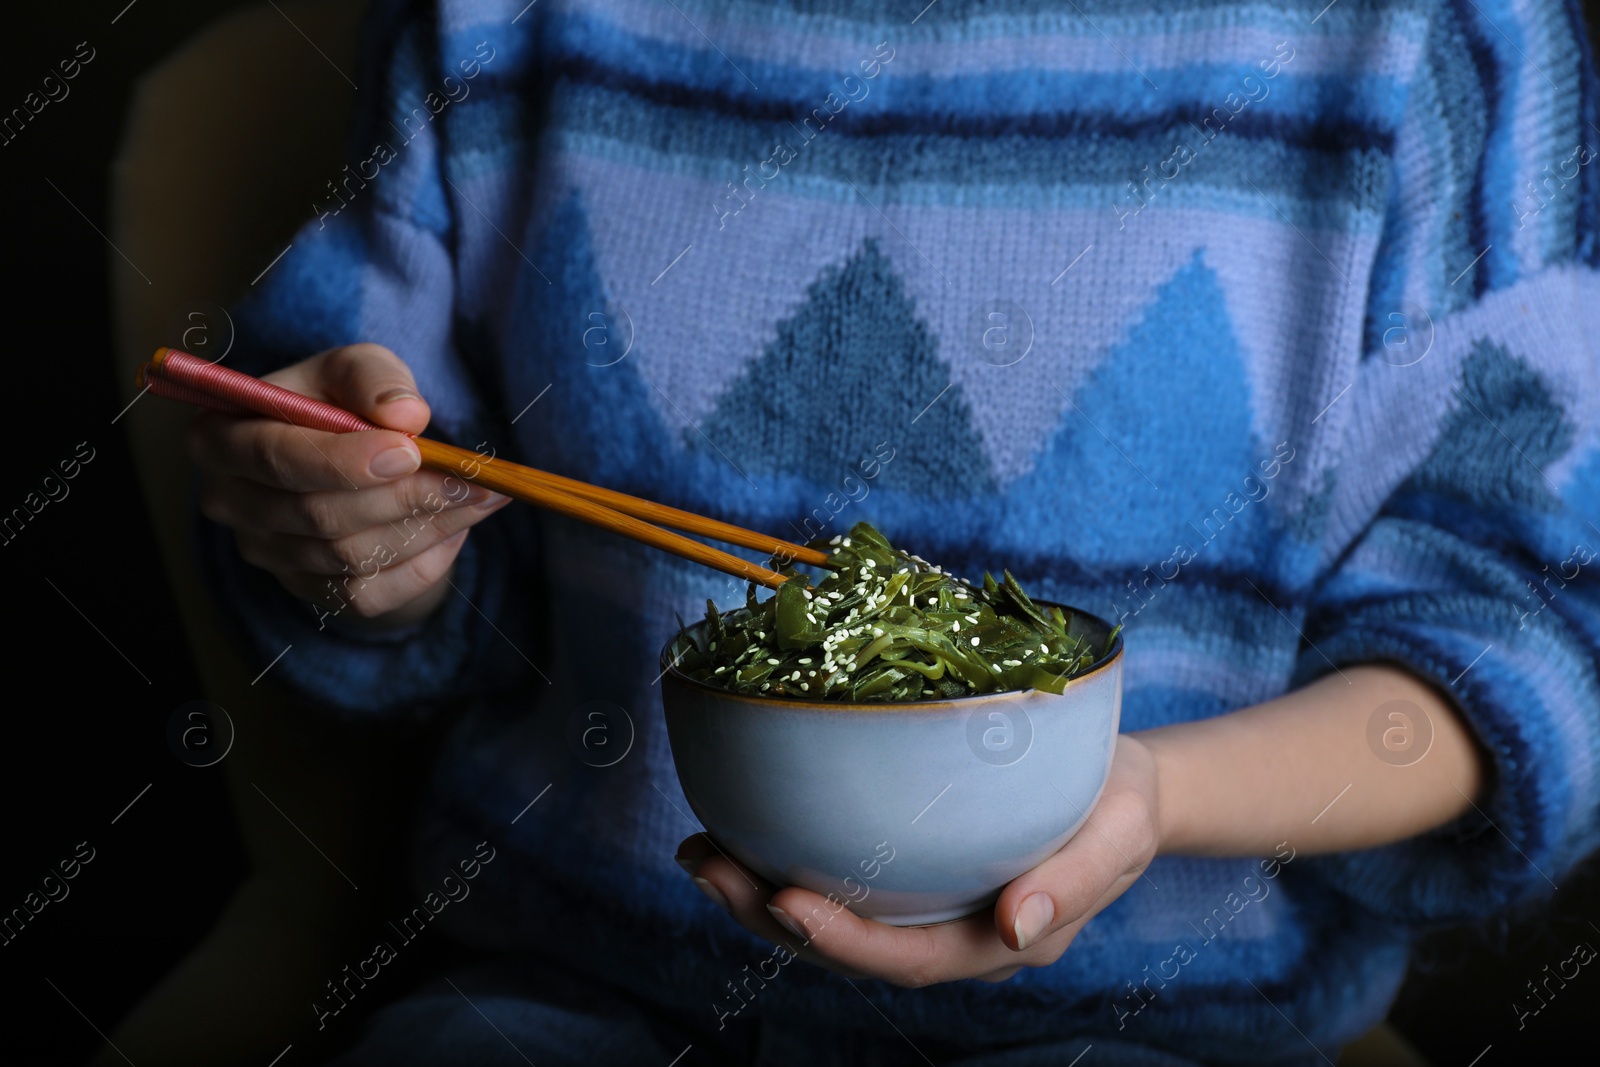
812	618
772	661
807	592
806	660
1012	662
847	542
956	626
795	677
974	642
836	539
876	632
870	562
805	686
1045	649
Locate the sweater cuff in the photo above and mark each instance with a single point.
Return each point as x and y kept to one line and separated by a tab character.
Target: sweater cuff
355	675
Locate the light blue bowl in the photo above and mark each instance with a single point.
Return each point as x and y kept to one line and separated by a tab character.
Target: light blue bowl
911	813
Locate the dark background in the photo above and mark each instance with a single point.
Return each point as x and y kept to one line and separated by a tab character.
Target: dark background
97	662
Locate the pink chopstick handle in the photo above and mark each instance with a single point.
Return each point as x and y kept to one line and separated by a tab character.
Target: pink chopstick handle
199	378
173	391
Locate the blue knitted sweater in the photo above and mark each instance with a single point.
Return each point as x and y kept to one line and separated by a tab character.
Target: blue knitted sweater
1265	328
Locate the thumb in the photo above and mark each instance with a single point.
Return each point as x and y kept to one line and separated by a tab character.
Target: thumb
373	382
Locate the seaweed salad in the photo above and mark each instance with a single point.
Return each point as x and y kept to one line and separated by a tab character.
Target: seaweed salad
885	626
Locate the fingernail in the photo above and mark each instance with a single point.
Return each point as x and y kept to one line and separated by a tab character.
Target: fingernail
396	394
1033	915
687	865
394	462
476	494
714	893
786	921
494	502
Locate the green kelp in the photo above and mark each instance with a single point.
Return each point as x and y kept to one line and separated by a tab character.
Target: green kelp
886	626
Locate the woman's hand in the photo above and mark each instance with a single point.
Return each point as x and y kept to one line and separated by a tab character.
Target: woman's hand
347	521
1031	925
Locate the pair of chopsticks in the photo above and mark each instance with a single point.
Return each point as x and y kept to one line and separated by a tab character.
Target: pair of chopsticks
178	375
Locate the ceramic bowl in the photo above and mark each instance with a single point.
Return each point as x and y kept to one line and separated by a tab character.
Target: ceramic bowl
912	813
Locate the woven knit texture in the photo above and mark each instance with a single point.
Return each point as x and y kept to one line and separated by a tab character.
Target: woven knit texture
1265	329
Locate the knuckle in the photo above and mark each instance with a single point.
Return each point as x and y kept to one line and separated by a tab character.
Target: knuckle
923	968
213	503
431	567
349	555
319	514
253	550
271	461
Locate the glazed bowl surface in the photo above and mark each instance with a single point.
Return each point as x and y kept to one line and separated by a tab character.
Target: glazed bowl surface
909	813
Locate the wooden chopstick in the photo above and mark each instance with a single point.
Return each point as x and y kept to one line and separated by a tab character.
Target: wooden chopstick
180	376
515	480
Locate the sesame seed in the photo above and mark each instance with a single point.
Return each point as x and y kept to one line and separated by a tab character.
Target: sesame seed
870	562
1012	662
847	542
955	626
1045	649
836	539
805	686
772	661
876	632
806	660
974	642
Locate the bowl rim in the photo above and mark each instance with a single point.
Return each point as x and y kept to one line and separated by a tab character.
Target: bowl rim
670	672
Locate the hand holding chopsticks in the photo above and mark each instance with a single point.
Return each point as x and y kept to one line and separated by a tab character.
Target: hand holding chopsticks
180	376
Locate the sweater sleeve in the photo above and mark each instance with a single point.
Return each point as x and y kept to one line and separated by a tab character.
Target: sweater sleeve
1464	537
375	264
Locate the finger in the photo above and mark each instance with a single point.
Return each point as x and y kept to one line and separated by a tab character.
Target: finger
914	956
390	589
333	513
283	456
1107	854
695	855
376	384
365	553
743	894
366	379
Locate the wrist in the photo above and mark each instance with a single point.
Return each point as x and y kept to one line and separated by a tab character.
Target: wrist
1174	825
